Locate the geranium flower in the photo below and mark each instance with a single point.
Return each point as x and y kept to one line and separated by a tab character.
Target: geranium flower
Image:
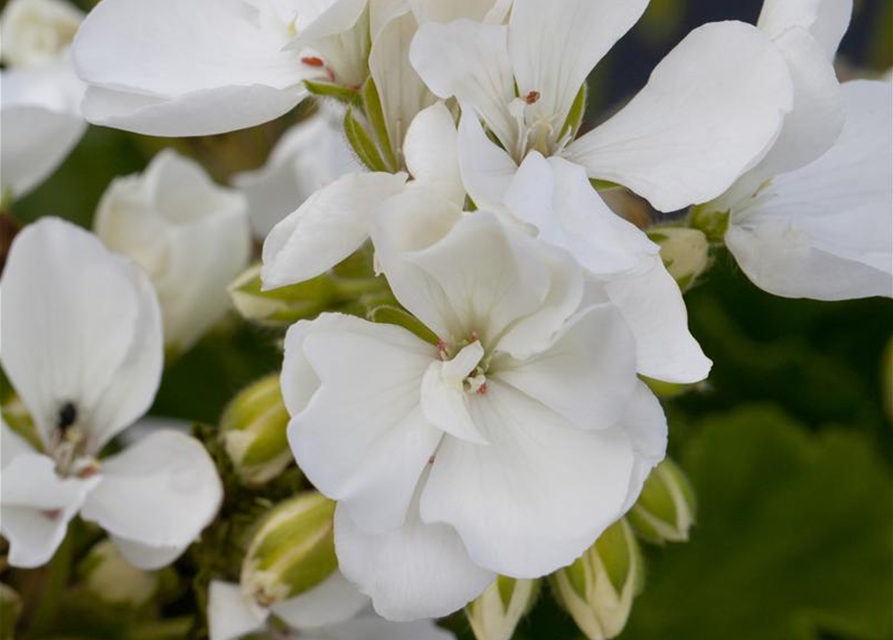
82	346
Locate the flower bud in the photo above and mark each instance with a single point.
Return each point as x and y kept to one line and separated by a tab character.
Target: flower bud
598	588
665	510
191	236
496	612
10	610
285	305
37	32
292	551
254	431
685	253
113	580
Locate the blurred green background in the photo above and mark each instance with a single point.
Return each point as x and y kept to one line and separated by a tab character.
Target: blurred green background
788	444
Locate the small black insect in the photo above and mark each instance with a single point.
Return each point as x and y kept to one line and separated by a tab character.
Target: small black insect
68	415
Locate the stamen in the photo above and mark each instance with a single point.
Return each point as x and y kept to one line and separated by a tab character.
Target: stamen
313	61
68	415
431	460
482	390
532	97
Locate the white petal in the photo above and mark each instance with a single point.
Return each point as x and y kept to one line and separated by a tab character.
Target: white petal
326	229
587	375
652	305
176	65
357	432
161	492
487	11
90	319
36	505
431	152
148	557
537	496
371	627
230	614
308	157
554	46
41	123
403	94
487	170
415	571
444	401
710	111
333	600
810	129
190	235
646	425
826	20
825	231
339	33
470	61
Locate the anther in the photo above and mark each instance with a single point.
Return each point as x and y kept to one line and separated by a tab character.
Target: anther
68	415
313	61
532	97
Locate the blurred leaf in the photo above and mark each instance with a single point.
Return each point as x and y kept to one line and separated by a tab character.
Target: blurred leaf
794	541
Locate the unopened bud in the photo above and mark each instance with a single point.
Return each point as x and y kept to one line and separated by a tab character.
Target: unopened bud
665	510
113	580
292	551
685	253
496	612
598	588
10	610
285	305
254	431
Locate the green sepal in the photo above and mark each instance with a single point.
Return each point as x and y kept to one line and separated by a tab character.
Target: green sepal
329	90
387	314
575	115
375	115
713	224
362	143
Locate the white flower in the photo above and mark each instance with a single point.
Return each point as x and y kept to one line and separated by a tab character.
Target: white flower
82	347
334	222
308	157
39	105
507	448
710	110
813	218
197	67
191	236
334	609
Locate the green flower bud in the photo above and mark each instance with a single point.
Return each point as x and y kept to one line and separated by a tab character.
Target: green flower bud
113	580
685	253
254	431
10	610
598	588
496	612
711	222
665	510
285	305
292	551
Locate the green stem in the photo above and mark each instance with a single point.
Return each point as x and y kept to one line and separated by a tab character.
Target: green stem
355	287
173	629
56	580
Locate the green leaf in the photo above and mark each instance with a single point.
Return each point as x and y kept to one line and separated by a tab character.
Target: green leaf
793	541
372	107
362	143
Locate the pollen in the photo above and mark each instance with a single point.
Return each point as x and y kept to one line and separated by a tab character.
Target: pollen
482	390
532	97
313	61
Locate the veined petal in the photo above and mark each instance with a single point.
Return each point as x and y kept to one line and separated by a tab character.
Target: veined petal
555	45
230	614
339	30
651	303
587	376
334	600
176	63
710	111
431	152
353	389
444	400
537	496
824	231
470	61
487	170
326	229
826	20
417	570
486	11
160	493
403	94
87	316
35	504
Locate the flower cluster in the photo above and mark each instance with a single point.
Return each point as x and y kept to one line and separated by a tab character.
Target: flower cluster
475	408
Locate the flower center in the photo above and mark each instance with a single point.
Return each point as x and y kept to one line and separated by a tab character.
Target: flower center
466	364
69	443
536	131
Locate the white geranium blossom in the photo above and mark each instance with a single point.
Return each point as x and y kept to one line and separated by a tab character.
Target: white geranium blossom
710	110
82	347
190	235
813	219
333	610
506	448
39	106
309	156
